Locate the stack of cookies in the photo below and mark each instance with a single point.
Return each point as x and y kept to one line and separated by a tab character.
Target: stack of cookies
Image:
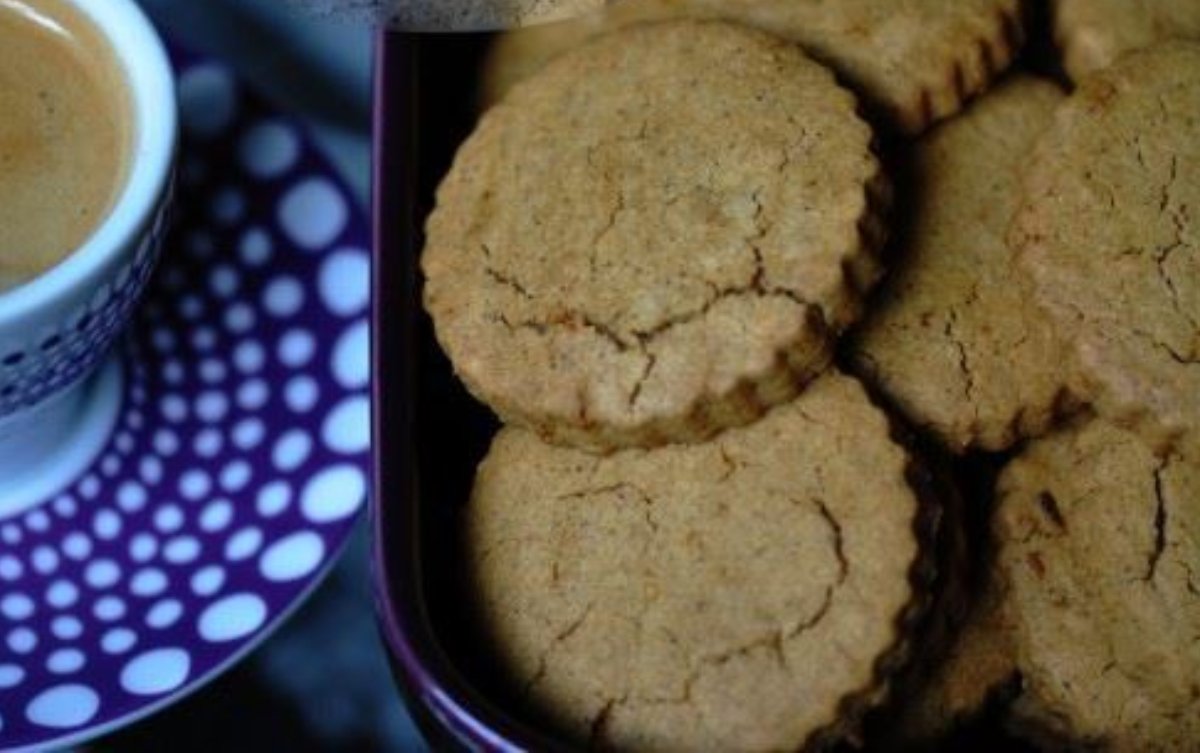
717	317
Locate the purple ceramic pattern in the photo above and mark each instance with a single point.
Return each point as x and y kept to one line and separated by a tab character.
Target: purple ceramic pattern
57	358
239	461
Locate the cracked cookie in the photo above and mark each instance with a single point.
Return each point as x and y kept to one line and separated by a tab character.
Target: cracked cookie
1094	33
977	663
1100	548
663	252
755	592
914	61
953	338
1106	233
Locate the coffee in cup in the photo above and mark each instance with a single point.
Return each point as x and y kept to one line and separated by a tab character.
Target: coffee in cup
66	132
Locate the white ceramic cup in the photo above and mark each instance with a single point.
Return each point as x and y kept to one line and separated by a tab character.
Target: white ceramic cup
58	387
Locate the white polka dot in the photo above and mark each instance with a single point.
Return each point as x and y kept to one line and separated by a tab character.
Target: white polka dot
102	573
253	395
164	614
173	372
207	100
301	394
291	450
249	434
10	676
212	371
274	498
64	661
228	206
168	518
239	319
149	581
11	534
63	706
204	339
65	505
243	544
194	484
45	560
347	428
235	476
143	547
109	608
106	524
181	550
118	640
352	357
333	494
131	496
38	520
269	149
256	247
216	516
151	470
208	443
166	442
212	406
292	557
296	348
124	442
62	594
232	617
76	545
208	580
249	357
156	672
66	628
313	214
16	606
223	281
22	640
191	307
10	568
163	340
110	465
283	297
344	283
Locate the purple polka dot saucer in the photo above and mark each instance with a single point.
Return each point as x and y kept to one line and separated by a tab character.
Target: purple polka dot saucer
226	441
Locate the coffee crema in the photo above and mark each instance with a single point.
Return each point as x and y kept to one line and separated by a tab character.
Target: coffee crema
66	133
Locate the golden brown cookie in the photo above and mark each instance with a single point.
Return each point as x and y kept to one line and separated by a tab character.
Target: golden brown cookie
1108	234
952	337
1100	547
662	253
755	592
914	61
1094	33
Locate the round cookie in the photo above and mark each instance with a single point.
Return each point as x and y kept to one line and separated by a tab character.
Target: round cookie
1094	33
953	338
1106	233
914	61
663	251
752	593
1100	548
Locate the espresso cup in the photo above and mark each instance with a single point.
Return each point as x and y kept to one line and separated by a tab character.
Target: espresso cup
58	328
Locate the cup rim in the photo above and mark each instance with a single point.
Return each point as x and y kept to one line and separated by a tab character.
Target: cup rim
143	59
